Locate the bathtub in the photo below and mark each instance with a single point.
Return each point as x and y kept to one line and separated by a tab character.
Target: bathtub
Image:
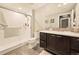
10	43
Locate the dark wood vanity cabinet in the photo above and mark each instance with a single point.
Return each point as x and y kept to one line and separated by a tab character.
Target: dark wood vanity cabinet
59	44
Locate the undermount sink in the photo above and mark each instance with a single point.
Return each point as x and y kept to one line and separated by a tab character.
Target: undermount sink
76	30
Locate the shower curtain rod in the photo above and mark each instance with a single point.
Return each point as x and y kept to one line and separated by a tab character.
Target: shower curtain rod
14	11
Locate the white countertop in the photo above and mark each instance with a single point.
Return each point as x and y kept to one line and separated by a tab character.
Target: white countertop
67	33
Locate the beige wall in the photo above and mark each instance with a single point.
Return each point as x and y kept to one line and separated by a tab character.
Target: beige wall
56	19
48	11
2	21
76	10
41	14
77	15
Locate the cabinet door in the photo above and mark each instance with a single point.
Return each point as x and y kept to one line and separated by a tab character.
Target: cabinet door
62	44
51	42
75	44
42	39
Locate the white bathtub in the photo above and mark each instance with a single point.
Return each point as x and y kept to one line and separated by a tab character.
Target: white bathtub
11	43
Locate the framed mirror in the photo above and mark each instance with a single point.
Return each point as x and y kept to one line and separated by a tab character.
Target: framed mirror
65	21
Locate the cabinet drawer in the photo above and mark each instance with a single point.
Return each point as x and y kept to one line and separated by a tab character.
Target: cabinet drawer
42	36
74	52
43	44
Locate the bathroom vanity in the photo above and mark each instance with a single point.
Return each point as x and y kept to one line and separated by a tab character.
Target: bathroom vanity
60	42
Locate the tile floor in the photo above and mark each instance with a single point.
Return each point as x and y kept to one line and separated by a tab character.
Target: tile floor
24	50
45	53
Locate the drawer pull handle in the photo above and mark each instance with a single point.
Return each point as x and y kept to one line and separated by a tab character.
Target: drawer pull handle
73	38
52	35
59	36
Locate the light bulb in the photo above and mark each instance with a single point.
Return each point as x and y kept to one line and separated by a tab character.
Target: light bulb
19	8
64	3
59	5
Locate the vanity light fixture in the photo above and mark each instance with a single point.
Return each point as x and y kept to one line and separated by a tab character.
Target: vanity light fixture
19	8
64	3
61	4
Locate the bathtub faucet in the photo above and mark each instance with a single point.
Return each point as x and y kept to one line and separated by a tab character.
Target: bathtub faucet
2	26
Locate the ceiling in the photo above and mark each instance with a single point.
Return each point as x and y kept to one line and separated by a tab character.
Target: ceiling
32	5
55	8
22	7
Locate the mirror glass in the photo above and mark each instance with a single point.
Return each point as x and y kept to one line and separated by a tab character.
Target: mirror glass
65	21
